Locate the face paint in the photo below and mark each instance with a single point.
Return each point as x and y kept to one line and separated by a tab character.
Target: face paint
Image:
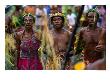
94	18
70	27
29	14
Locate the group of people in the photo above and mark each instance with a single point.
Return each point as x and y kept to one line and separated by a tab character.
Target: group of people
31	55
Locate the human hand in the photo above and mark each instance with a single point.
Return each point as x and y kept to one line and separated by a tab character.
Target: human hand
99	48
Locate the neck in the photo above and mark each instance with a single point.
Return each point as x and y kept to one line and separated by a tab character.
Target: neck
29	30
92	27
58	30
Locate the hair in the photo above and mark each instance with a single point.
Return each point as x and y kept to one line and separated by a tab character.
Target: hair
28	15
93	10
69	10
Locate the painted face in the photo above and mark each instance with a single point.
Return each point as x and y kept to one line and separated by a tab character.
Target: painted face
92	18
28	21
57	22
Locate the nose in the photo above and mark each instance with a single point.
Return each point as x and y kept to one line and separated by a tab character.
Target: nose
56	21
28	21
91	19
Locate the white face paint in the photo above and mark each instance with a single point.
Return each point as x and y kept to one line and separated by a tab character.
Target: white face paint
70	27
94	17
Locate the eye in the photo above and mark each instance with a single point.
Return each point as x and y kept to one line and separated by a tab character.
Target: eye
54	19
25	19
90	16
30	20
59	18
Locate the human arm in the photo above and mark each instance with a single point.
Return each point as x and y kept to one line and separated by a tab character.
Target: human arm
102	41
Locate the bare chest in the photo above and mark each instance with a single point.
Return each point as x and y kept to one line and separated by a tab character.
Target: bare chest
26	36
60	38
60	41
91	36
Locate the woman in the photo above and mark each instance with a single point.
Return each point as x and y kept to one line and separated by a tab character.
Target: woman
27	45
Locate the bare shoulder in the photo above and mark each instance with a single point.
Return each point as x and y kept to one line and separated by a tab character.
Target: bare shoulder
66	32
103	30
51	31
83	29
37	35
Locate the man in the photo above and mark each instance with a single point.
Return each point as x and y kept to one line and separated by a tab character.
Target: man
70	20
100	64
90	40
60	35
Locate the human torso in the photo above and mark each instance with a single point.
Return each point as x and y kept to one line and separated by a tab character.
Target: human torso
29	45
91	40
71	19
60	41
91	37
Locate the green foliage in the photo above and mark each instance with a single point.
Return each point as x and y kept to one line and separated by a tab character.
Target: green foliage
10	52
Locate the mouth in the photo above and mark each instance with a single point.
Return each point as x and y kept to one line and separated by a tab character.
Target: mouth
91	22
28	25
57	24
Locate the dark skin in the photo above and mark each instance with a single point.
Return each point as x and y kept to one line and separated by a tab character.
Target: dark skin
24	36
101	63
57	22
98	65
61	36
28	28
28	23
92	20
90	37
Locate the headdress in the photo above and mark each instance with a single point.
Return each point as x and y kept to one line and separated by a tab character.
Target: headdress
93	10
29	14
58	14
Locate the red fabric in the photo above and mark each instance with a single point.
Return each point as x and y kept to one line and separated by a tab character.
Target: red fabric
29	64
92	56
